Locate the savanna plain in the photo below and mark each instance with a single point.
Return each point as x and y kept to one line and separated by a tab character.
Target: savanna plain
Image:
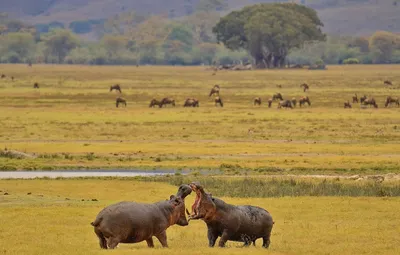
71	122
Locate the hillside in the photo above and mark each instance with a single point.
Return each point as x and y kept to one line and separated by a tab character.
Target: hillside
349	17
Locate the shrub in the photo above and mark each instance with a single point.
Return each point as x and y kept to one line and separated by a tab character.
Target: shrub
351	61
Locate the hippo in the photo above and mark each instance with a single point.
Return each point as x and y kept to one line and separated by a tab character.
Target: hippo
131	222
244	223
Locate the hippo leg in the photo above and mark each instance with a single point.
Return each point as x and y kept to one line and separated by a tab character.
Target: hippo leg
224	238
102	239
212	237
112	242
150	243
162	237
266	241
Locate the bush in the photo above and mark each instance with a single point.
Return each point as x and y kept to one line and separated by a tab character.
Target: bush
351	61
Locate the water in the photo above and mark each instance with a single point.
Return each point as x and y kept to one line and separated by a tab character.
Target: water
72	174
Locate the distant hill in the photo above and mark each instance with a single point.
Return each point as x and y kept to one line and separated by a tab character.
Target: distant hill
346	17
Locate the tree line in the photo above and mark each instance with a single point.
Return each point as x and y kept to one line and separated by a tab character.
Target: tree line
268	35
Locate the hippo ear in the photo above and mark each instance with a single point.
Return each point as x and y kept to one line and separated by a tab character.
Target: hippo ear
171	197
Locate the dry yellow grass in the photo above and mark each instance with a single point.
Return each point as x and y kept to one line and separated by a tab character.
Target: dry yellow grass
45	223
74	113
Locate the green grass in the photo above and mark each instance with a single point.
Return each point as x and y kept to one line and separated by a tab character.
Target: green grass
72	122
44	222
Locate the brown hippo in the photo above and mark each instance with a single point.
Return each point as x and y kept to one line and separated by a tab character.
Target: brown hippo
155	102
294	102
131	222
387	82
370	101
120	100
304	100
244	223
347	104
355	98
391	100
277	96
214	90
257	101
363	98
285	104
217	101
167	100
305	87
116	87
36	85
191	102
269	102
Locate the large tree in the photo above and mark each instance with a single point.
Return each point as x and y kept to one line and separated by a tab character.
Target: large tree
269	31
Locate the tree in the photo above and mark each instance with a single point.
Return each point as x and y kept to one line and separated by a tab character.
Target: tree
59	42
269	31
114	45
17	46
383	45
212	5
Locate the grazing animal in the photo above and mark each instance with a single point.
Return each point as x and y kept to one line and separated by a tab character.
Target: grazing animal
279	86
347	104
355	98
36	85
362	99
120	100
285	104
116	87
214	90
391	100
387	82
12	78
277	96
257	101
244	223
131	222
269	102
305	87
3	76
191	102
304	100
217	101
294	102
166	101
155	102
370	102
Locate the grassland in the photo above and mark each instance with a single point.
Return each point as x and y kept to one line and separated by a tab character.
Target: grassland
53	219
72	121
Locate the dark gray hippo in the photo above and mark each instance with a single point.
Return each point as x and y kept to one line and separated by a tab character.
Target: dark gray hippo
244	223
131	222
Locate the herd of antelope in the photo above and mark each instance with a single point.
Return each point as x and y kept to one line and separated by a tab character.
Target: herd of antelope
282	103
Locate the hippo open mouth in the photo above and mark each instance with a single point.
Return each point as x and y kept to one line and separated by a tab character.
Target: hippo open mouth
195	207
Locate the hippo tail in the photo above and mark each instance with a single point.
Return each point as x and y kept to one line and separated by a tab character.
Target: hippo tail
96	222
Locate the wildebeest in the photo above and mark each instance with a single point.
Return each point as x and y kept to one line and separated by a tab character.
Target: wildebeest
355	98
387	82
131	222
294	102
391	100
36	85
277	96
3	76
257	101
116	87
305	87
285	104
370	101
214	90
155	102
244	223
167	100
363	98
269	102
120	100
191	102
304	100
347	104
217	101
12	78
